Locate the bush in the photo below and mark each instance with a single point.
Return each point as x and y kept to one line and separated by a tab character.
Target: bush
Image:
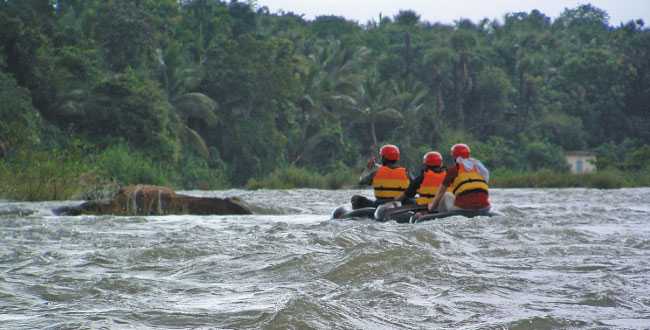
341	177
19	121
196	174
608	179
638	159
73	172
132	108
497	152
542	155
42	175
295	177
642	179
629	154
125	166
288	178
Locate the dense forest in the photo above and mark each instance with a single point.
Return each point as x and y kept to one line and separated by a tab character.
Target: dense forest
212	94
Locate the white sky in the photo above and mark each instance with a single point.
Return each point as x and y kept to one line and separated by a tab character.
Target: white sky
449	11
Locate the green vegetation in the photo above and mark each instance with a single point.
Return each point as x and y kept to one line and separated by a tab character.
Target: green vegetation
47	175
606	179
294	177
78	172
211	94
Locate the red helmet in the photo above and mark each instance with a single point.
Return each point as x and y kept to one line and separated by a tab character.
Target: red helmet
460	150
389	152
432	158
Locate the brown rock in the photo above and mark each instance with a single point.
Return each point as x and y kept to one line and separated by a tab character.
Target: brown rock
155	200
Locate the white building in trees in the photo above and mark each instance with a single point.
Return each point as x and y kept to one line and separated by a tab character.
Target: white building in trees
581	161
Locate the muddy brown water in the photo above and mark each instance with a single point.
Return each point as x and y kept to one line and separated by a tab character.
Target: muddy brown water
555	258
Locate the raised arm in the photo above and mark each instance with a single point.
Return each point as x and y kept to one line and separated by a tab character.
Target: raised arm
368	173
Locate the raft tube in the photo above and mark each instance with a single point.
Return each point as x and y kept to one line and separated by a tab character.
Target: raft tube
394	211
346	212
440	215
386	212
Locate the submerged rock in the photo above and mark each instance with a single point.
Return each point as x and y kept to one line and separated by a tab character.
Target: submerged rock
15	210
155	200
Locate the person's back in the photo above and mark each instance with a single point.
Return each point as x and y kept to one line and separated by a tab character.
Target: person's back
467	181
430	186
388	180
470	188
424	187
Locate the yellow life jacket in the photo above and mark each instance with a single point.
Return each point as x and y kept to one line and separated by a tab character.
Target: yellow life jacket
390	182
468	181
429	187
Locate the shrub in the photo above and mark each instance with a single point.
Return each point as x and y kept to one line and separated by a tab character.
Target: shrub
133	108
125	166
541	155
296	177
19	121
288	178
608	179
42	175
341	177
196	174
605	179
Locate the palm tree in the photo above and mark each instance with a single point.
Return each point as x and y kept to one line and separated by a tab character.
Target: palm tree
195	111
373	101
409	98
329	73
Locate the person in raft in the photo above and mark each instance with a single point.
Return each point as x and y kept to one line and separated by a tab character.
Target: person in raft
427	183
388	180
467	182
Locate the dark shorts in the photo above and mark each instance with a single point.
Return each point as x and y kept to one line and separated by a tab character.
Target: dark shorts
359	202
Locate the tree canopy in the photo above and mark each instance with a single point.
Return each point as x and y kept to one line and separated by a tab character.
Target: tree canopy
246	91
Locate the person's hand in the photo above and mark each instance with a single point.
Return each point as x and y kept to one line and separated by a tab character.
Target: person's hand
371	163
430	207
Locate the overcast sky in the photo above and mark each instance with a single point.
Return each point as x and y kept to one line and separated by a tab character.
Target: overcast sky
449	11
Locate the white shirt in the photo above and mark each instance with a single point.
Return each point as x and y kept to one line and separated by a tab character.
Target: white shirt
469	163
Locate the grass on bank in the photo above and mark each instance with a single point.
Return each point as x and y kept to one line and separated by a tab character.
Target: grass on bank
295	177
77	174
34	176
605	179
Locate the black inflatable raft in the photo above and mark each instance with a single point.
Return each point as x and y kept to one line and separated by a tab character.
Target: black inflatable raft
439	215
386	212
394	211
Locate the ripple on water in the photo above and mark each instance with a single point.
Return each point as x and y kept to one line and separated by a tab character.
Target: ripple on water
554	259
173	252
427	238
544	322
601	299
368	264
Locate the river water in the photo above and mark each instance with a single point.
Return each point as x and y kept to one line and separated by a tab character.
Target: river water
570	258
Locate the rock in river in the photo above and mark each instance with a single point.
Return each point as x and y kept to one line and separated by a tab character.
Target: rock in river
155	200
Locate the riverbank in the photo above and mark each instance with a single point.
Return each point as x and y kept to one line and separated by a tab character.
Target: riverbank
606	179
80	173
58	175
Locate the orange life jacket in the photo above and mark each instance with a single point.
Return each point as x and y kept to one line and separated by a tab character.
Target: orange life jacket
468	181
429	187
390	182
